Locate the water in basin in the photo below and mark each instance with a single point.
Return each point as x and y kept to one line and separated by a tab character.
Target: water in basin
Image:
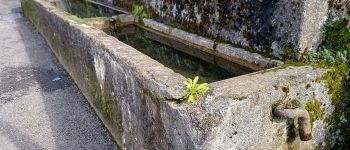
180	62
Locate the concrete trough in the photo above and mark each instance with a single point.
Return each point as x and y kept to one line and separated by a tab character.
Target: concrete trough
140	101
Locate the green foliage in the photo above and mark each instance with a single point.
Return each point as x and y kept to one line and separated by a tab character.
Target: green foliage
333	55
337	36
139	10
327	56
193	88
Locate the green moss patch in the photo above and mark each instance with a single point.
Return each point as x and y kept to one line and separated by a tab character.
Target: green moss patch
78	20
293	104
107	108
337	36
285	89
315	109
153	95
31	13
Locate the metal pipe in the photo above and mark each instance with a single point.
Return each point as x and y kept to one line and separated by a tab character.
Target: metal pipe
303	120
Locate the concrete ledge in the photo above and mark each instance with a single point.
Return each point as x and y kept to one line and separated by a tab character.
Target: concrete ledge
137	98
230	52
155	25
124	19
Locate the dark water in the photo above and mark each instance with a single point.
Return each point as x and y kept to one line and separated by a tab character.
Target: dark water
84	9
178	61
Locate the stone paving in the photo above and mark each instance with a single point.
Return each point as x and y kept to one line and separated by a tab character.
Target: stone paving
40	106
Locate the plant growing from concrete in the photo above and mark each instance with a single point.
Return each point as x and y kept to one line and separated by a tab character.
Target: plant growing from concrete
327	56
193	88
138	10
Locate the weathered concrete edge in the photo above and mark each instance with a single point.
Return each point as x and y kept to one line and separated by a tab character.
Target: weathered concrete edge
109	43
256	94
165	83
238	55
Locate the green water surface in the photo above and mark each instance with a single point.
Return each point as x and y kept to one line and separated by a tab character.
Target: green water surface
178	61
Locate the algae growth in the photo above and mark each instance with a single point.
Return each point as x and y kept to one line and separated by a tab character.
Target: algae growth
180	62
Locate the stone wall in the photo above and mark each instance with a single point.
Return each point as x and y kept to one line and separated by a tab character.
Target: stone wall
272	27
338	9
138	99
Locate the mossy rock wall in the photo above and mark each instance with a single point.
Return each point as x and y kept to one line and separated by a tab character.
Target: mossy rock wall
272	27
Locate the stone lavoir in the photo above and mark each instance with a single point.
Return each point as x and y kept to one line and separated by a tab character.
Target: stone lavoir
280	28
139	95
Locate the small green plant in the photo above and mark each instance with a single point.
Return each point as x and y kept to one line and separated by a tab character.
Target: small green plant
138	10
327	56
193	88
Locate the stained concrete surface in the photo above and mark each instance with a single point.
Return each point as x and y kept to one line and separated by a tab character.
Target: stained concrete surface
36	112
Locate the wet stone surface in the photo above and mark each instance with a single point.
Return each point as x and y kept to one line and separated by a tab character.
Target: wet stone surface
172	58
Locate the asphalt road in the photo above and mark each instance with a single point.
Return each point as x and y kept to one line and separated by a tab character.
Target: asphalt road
37	112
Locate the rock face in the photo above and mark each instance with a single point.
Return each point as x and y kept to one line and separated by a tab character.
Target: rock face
137	98
274	27
338	9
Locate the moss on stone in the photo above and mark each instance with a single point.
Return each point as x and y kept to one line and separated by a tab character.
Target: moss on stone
102	101
31	13
77	19
318	80
277	103
107	108
285	89
153	95
293	104
246	35
315	109
339	90
308	86
337	38
288	50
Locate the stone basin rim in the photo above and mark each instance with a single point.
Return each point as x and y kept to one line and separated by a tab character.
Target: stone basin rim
169	92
